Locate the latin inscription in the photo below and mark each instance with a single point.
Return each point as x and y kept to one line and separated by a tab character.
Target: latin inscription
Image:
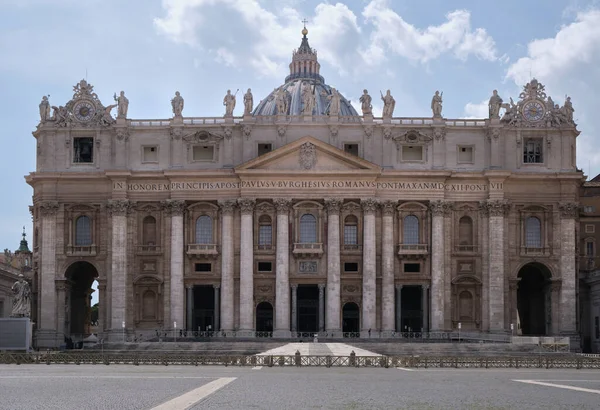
303	184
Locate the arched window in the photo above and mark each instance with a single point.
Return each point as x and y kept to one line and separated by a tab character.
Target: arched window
465	303
351	230
83	231
410	230
265	231
149	231
204	230
533	232
308	229
465	231
149	305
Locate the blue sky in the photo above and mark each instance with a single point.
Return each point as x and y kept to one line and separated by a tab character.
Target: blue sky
151	48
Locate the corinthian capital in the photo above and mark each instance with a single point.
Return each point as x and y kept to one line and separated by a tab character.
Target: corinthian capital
369	205
568	209
227	206
497	207
246	205
388	207
440	208
282	205
174	207
49	208
333	205
118	207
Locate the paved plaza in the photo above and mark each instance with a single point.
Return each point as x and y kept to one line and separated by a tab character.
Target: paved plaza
127	387
317	349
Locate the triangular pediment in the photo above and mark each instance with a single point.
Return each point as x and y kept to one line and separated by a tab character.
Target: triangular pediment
308	154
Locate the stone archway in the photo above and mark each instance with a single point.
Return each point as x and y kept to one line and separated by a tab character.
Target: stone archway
351	319
78	319
534	300
264	317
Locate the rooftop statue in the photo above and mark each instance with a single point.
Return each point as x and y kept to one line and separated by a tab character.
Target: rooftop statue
44	109
568	110
122	103
511	114
248	102
494	105
365	103
282	100
334	101
229	103
22	298
388	104
436	104
177	104
308	99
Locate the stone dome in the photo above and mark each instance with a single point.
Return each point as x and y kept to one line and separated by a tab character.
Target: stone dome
304	69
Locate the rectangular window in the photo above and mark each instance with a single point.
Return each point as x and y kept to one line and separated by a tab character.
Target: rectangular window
350	235
203	153
350	267
412	267
203	267
264	148
590	228
265	267
465	155
265	235
589	248
412	153
532	151
83	150
351	149
149	154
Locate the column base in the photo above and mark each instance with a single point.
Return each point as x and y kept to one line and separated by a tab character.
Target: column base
365	334
118	335
282	334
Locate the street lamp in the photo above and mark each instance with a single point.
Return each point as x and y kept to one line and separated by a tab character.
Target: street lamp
123	327
175	330
459	326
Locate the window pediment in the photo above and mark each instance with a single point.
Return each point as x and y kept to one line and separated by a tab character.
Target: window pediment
466	280
414	137
203	137
148	280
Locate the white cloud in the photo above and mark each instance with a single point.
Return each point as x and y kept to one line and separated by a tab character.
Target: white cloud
393	34
224	56
477	110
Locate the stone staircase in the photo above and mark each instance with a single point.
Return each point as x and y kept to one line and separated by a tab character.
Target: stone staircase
448	349
214	348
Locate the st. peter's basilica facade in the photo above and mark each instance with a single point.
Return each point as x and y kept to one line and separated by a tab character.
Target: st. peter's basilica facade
303	216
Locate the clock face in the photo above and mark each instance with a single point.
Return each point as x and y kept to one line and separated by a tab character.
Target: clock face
533	111
84	110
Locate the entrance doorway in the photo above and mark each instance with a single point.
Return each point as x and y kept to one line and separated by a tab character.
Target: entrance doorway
308	308
204	308
264	317
78	319
534	300
351	320
411	314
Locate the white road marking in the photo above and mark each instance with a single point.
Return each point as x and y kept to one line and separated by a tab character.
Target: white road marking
59	376
257	368
405	369
560	386
187	400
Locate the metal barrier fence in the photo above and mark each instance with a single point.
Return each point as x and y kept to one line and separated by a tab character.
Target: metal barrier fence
77	358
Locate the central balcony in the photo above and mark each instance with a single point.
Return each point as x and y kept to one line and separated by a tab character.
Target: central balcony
206	250
415	251
81	250
149	250
308	250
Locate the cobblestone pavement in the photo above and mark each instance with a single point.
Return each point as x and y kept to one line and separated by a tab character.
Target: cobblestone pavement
179	387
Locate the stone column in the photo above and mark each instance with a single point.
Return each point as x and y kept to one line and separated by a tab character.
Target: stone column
246	264
555	307
190	308
369	302
496	209
101	307
513	286
47	291
62	287
438	210
118	210
398	308
425	305
387	267
321	307
176	298
485	269
227	263
333	315
282	274
568	296
217	307
294	308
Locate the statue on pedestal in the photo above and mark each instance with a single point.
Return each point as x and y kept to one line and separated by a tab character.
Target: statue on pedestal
177	104
494	105
282	100
388	104
334	101
122	103
229	103
568	110
21	306
436	104
365	103
44	109
248	102
308	99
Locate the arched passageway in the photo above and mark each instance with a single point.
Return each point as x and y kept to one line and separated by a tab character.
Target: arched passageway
264	317
351	319
79	313
534	300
